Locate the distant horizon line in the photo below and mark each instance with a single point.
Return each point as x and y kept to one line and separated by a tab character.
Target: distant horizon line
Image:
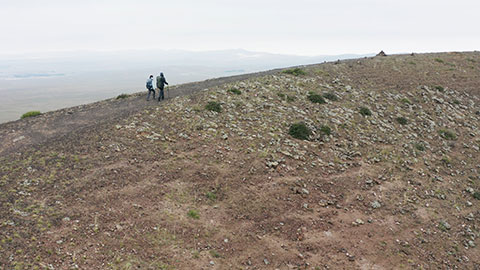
50	52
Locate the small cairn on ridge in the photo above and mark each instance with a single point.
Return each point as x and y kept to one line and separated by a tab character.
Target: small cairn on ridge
381	53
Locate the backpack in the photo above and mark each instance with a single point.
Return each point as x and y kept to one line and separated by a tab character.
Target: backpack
149	84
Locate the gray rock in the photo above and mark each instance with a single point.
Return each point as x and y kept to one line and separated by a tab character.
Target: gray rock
445	225
375	205
18	139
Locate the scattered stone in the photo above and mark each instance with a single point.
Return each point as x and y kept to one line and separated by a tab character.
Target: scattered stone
272	164
376	204
266	261
18	139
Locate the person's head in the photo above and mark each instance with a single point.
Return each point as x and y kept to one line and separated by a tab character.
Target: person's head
151	77
161	74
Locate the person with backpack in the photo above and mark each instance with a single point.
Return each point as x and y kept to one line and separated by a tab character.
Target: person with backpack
160	85
149	86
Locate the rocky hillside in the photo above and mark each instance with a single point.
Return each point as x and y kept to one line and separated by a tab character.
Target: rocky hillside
362	164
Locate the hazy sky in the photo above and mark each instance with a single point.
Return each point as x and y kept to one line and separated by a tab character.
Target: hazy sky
305	27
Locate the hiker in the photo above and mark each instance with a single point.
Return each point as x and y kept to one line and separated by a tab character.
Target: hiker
160	84
150	87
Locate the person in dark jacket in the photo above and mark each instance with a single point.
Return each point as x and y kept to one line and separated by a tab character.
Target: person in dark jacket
149	86
160	85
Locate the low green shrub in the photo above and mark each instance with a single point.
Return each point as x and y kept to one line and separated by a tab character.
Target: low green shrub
365	111
439	60
476	195
440	88
447	134
193	214
295	71
315	98
291	98
213	106
419	146
215	254
211	195
326	130
446	160
402	120
406	101
300	131
31	114
234	91
122	96
330	96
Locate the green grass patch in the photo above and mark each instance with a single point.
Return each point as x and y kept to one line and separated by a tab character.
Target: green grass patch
122	96
212	196
456	102
419	146
365	111
215	254
330	96
326	130
315	98
406	101
291	98
476	195
402	120
438	60
193	214
446	160
213	106
447	134
234	91
299	131
30	114
295	71
439	88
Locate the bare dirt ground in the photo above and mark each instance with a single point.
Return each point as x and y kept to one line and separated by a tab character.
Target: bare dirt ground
126	184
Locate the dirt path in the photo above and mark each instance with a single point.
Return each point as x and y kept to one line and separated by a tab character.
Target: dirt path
29	132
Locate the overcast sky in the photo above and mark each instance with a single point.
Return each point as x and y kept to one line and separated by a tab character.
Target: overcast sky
304	27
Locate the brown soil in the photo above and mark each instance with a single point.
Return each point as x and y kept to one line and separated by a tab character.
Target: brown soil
131	184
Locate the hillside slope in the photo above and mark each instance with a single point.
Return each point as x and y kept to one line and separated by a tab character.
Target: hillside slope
177	186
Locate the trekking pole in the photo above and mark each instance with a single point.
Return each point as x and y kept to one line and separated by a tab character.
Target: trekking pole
168	92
